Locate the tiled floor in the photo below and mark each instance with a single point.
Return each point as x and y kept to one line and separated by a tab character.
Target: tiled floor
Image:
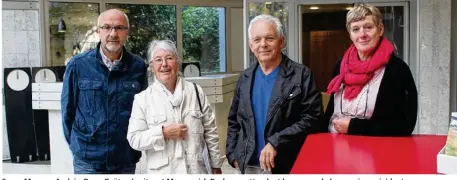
45	168
36	167
227	169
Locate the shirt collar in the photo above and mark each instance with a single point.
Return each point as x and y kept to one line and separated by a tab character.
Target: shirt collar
107	62
162	87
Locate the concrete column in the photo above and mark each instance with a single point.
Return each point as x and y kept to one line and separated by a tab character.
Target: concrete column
434	66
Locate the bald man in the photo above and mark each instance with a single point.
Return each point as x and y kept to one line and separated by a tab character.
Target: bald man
97	96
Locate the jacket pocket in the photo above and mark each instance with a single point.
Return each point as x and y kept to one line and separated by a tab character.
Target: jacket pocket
83	140
296	90
131	86
156	119
88	84
81	127
196	123
128	91
240	148
156	160
81	131
91	94
197	164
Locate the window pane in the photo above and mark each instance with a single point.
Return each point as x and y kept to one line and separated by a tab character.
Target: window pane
204	37
79	18
276	9
147	23
393	21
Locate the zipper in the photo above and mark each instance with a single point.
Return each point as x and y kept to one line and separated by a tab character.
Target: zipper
107	115
241	164
245	156
276	108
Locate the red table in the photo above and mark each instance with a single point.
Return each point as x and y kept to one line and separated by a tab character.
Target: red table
329	153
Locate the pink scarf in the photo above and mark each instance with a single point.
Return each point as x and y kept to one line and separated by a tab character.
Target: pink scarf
354	73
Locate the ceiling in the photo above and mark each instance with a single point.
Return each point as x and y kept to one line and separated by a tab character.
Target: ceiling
325	8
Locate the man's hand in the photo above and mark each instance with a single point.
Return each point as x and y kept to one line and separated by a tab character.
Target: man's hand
175	131
235	163
267	157
342	124
217	171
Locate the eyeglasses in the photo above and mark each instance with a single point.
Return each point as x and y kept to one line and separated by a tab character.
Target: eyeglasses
357	107
116	28
160	60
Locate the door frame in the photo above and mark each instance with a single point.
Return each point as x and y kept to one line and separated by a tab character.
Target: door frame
294	40
295	24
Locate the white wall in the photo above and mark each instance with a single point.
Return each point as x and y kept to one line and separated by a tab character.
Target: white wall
21	44
21	38
236	46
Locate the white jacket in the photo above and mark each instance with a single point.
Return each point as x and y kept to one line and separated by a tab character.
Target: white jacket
150	113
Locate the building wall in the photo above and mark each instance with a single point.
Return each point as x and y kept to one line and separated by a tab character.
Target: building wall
454	56
236	41
434	66
21	38
22	47
21	43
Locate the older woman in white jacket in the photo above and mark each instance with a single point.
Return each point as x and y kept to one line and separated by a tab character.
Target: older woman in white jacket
167	122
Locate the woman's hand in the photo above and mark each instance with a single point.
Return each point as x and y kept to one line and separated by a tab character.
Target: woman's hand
174	131
341	124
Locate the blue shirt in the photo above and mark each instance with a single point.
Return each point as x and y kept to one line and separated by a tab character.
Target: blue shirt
261	93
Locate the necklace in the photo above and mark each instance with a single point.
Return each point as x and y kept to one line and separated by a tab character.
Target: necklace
352	106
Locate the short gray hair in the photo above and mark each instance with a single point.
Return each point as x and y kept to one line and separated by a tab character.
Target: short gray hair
125	15
360	12
166	45
270	19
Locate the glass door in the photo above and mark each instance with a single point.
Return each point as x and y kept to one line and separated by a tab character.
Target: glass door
323	37
283	10
395	20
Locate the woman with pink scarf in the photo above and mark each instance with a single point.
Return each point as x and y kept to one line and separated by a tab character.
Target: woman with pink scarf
372	91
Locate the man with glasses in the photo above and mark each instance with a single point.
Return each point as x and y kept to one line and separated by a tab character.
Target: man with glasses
97	96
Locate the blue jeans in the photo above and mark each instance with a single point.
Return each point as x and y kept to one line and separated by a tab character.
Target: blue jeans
81	166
